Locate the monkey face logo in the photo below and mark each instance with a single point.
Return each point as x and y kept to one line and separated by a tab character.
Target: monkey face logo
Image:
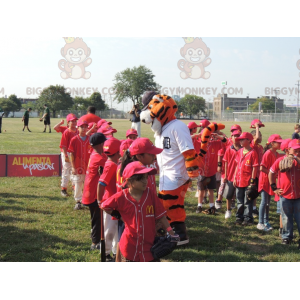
195	54
76	54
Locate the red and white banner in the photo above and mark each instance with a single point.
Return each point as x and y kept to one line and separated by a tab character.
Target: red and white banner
23	165
2	165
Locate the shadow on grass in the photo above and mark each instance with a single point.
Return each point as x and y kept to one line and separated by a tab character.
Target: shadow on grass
7	197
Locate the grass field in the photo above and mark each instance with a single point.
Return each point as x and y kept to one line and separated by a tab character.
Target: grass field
37	224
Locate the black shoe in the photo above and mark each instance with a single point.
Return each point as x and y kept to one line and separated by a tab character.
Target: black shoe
238	222
247	223
95	246
109	258
64	193
23	129
180	229
44	130
49	130
199	209
286	242
29	130
255	213
210	211
280	231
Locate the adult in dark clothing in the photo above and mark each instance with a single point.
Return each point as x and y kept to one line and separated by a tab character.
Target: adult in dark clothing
135	119
25	118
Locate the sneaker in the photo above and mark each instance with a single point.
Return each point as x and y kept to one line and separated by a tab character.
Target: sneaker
64	193
78	206
247	223
197	194
210	211
286	242
109	258
95	246
23	129
44	130
255	213
228	214
180	229
268	225
218	204
280	231
50	131
238	222
29	130
199	209
232	204
262	227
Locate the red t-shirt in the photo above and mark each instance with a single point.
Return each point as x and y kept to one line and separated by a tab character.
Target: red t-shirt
267	161
245	165
109	178
92	177
61	129
229	157
80	150
139	218
209	165
289	181
281	157
260	152
197	144
66	138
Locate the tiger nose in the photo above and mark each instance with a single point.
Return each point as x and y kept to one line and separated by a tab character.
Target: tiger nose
143	120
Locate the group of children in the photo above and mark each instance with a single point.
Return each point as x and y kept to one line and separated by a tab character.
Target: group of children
117	176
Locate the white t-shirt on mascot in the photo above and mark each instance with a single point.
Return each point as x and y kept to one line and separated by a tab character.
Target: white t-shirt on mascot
174	139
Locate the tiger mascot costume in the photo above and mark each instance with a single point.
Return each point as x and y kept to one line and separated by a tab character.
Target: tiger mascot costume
179	161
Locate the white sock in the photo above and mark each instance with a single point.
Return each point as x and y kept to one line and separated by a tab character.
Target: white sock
211	204
200	204
254	207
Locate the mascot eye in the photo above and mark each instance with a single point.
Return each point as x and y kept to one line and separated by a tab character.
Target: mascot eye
199	52
190	52
150	106
80	52
70	52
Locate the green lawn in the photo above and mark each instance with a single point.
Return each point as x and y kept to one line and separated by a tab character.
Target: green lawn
37	224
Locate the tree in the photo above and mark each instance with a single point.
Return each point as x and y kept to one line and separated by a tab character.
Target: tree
56	98
266	104
80	103
192	105
96	100
132	83
10	104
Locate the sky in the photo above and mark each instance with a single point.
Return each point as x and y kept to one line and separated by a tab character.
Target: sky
249	65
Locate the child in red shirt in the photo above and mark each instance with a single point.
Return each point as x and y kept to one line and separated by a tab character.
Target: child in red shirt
131	134
268	160
229	170
67	135
289	192
140	209
79	150
89	197
107	188
58	128
245	174
220	173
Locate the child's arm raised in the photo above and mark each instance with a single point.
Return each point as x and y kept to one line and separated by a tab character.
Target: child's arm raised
58	125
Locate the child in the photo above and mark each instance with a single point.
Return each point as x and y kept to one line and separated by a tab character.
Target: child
25	118
209	167
107	188
107	130
203	124
245	175
58	128
131	134
268	160
140	209
296	135
89	197
66	137
229	170
289	192
101	122
79	156
92	128
257	138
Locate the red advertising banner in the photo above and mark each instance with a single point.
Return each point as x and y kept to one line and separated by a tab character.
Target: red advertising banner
2	165
24	165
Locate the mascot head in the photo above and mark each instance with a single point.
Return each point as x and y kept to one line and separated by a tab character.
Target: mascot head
158	110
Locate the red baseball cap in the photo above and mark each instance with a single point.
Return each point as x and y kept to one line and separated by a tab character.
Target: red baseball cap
91	125
137	167
82	122
204	123
101	122
236	132
125	145
275	138
245	135
143	145
285	144
192	125
131	131
111	146
294	144
106	129
236	127
71	117
260	124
